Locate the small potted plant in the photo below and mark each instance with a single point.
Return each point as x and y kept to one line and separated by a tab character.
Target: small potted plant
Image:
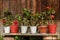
25	20
52	22
6	25
34	22
7	20
13	27
42	28
15	24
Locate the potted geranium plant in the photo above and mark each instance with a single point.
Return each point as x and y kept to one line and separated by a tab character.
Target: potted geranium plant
25	20
52	22
6	25
42	28
6	20
15	23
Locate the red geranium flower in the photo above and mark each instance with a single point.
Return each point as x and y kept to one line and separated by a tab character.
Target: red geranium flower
52	16
3	21
48	7
15	22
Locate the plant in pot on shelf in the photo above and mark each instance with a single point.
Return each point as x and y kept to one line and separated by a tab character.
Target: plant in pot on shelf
25	20
6	20
42	28
34	22
52	22
6	25
15	24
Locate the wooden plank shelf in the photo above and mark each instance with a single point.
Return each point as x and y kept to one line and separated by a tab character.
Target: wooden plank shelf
28	34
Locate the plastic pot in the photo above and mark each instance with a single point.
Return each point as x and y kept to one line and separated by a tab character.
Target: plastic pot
7	29
52	28
33	29
14	29
24	29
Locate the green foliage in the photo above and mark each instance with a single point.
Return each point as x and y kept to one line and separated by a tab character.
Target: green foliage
34	19
25	17
26	13
18	17
50	11
1	38
7	22
16	37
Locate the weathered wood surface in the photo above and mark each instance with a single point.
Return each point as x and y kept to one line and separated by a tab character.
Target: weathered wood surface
28	34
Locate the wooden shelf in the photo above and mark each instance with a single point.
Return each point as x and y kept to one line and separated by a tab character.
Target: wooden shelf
28	34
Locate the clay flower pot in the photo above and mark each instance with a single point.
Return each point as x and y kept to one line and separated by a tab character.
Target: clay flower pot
7	29
14	28
52	28
33	29
42	29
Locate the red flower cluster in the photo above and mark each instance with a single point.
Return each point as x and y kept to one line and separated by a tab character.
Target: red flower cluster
48	7
16	22
52	16
3	21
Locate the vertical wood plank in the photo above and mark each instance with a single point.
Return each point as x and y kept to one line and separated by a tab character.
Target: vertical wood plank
23	3
13	6
38	6
28	4
34	6
1	8
5	5
43	5
18	6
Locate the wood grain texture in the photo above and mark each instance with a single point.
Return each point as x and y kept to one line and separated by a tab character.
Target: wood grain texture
34	6
28	4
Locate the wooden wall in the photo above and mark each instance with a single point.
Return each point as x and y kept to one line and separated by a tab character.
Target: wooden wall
16	6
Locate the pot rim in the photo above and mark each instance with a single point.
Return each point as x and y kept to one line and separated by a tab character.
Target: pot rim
42	26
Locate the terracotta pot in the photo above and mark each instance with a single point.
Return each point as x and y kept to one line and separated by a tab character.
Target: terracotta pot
42	29
52	28
14	29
